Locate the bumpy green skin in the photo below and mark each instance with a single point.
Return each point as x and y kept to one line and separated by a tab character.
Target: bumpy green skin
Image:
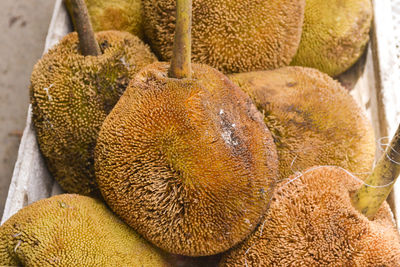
230	35
311	222
121	15
71	96
335	33
73	230
312	118
188	163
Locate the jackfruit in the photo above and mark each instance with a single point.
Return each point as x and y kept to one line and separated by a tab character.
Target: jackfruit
71	95
186	261
313	120
188	163
311	222
335	34
121	15
232	36
73	230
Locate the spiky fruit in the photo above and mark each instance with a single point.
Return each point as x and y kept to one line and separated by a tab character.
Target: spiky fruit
232	36
313	120
73	230
72	94
188	163
120	15
335	33
311	222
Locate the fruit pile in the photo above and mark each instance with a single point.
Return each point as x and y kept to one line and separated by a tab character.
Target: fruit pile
219	154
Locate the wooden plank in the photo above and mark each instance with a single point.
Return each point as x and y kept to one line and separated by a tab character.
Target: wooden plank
387	75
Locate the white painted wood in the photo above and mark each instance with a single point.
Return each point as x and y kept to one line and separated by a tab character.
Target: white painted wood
391	92
387	30
393	109
378	90
387	63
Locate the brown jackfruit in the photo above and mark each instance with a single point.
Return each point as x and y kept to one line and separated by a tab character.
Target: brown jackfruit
311	222
121	15
335	33
188	163
313	120
71	95
232	36
73	230
177	260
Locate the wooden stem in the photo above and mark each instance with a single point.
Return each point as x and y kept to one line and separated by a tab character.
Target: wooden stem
369	197
181	52
82	24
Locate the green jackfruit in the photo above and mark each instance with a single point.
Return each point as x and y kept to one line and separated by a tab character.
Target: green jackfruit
73	230
312	118
311	222
120	15
335	33
71	96
188	163
231	36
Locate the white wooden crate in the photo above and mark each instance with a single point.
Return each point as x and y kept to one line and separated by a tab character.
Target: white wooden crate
378	90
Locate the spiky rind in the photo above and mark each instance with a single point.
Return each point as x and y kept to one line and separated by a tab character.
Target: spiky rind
73	230
121	15
311	222
232	36
335	34
71	96
312	118
188	163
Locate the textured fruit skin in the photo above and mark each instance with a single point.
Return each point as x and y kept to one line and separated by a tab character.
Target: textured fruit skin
231	36
311	222
312	118
120	15
73	230
71	96
335	33
188	163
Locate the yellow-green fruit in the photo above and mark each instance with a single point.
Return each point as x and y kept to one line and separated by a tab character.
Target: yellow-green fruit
188	163
313	120
232	36
71	96
335	33
311	222
121	15
73	230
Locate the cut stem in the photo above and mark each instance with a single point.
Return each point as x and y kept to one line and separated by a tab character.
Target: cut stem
376	188
181	52
80	17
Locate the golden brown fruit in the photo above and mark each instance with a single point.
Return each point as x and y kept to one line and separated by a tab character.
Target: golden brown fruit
232	36
188	163
121	15
335	33
186	261
71	96
311	222
313	120
73	230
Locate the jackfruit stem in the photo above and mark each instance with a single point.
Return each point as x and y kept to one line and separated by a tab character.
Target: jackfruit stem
87	41
181	52
376	188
